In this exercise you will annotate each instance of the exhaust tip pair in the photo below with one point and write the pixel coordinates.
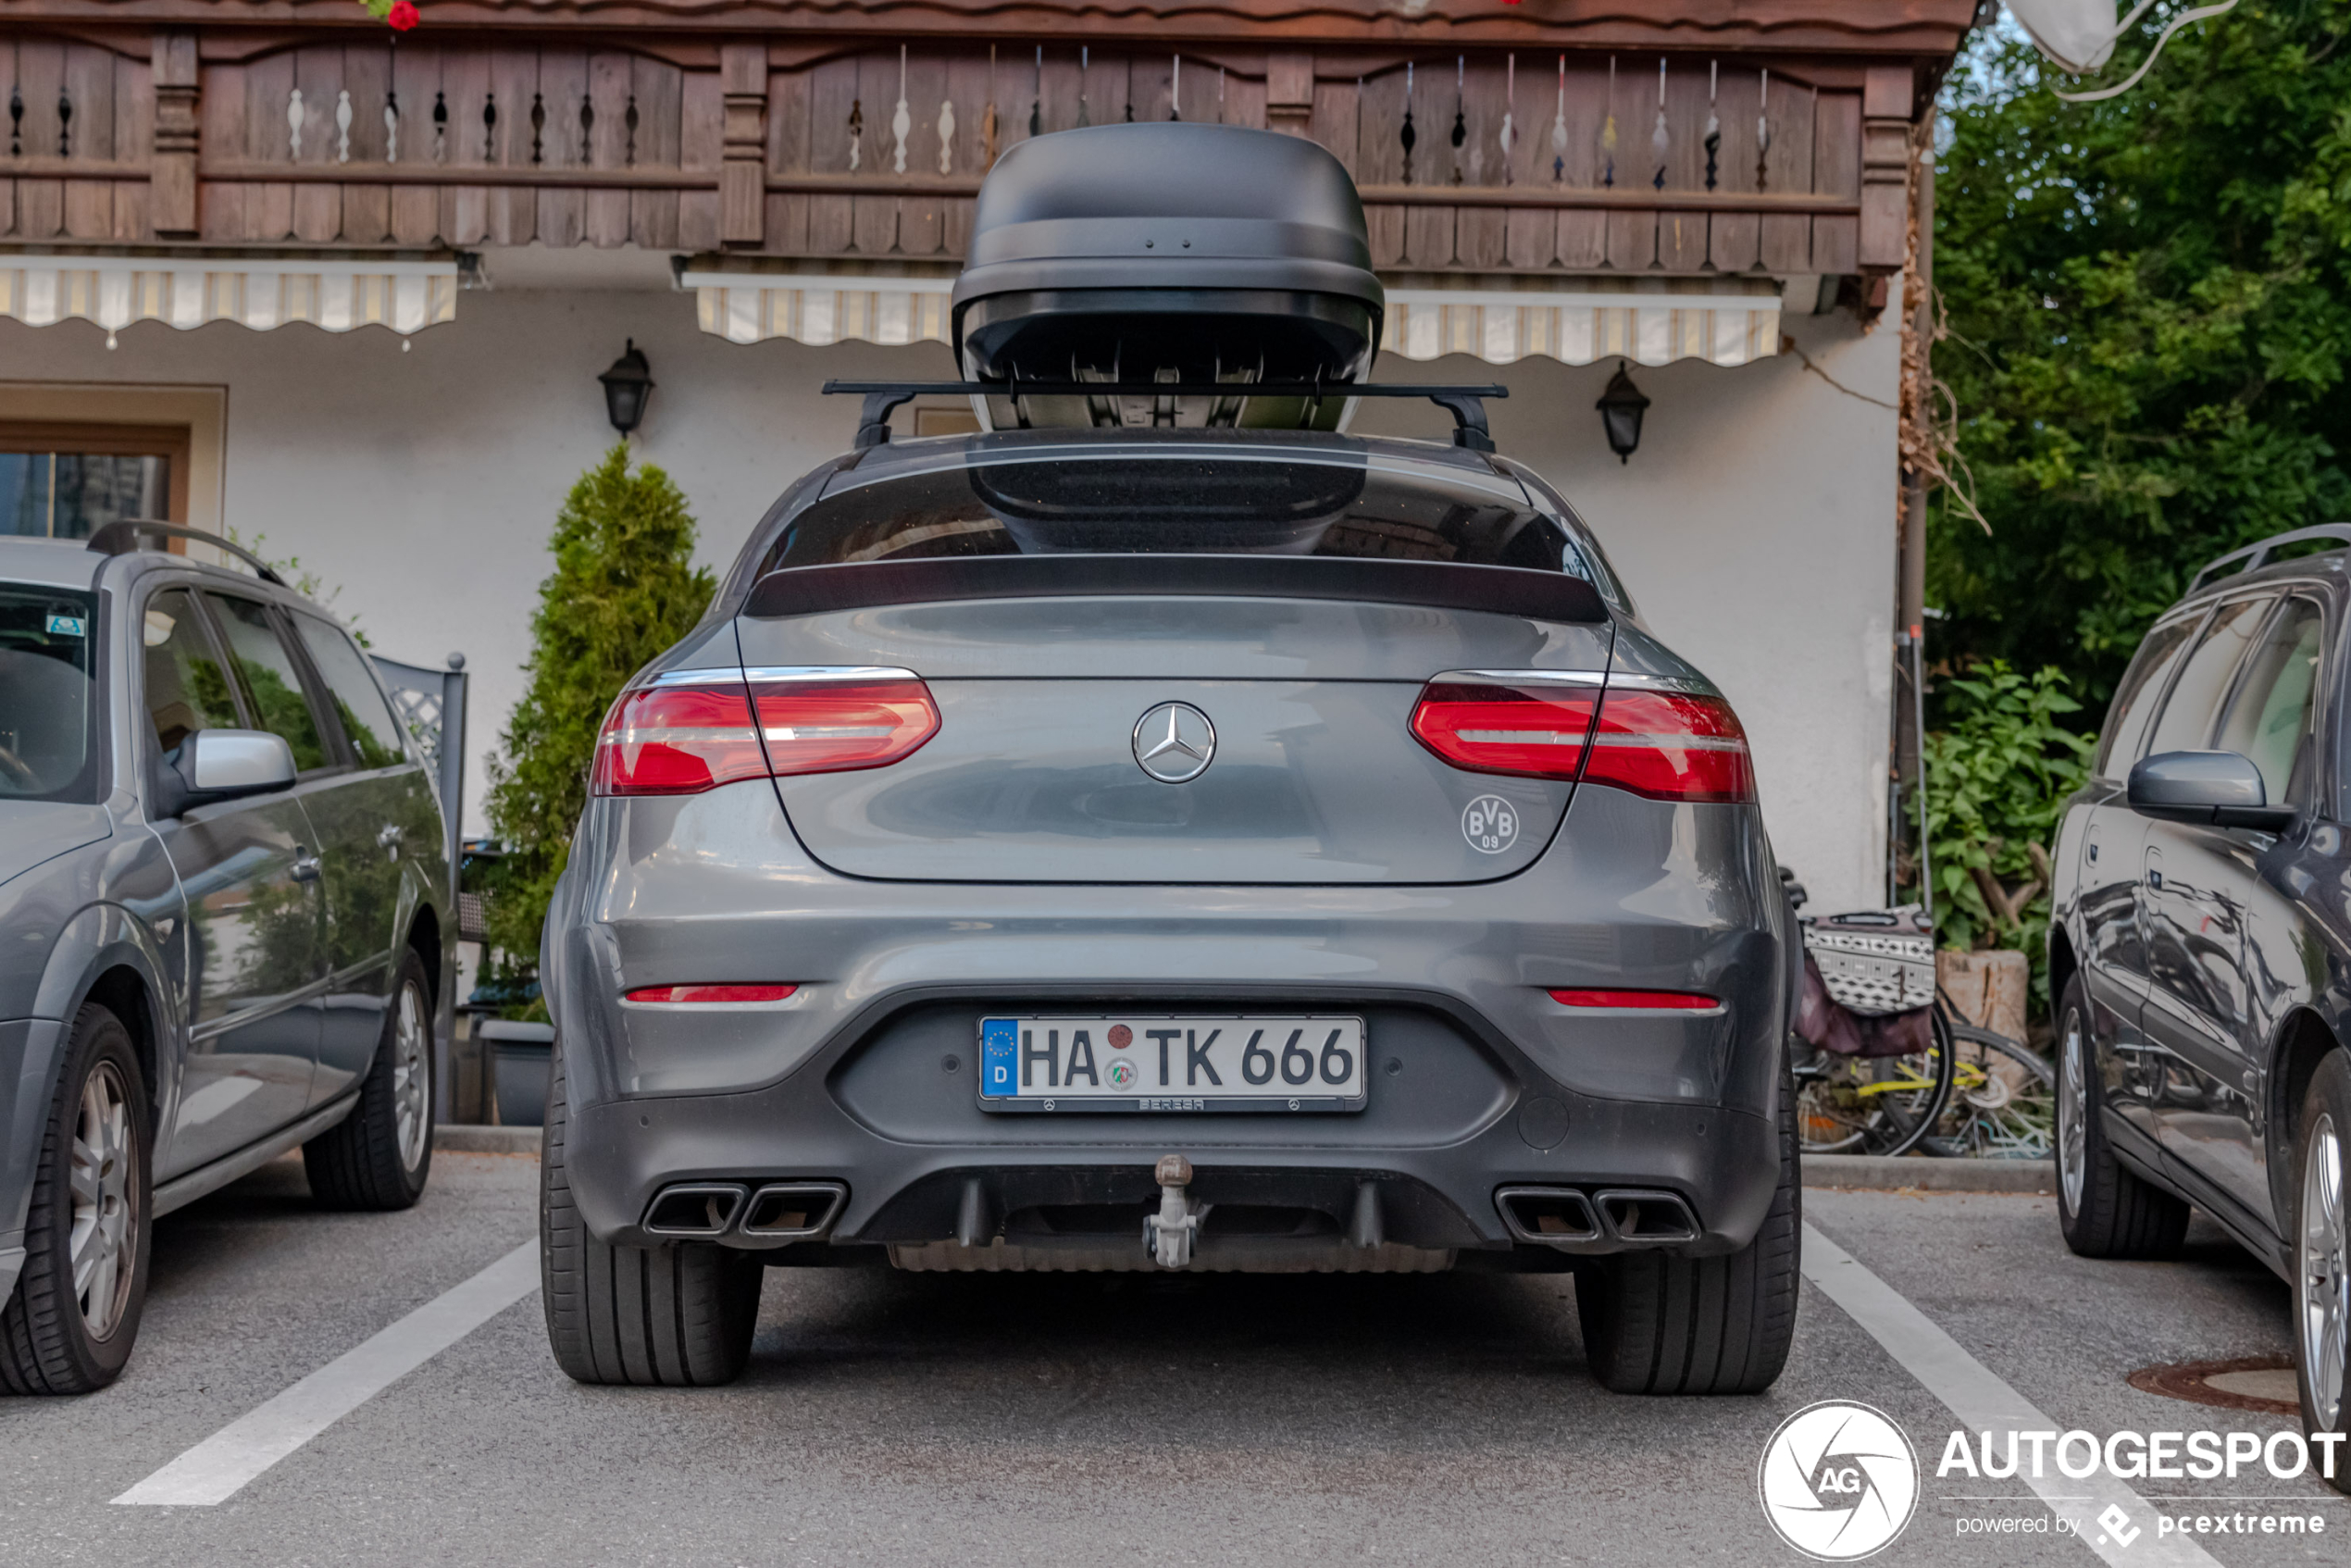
(770, 1211)
(1568, 1219)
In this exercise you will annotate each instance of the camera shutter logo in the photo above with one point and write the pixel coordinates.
(1838, 1481)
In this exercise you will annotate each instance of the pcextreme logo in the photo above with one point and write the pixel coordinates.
(1838, 1481)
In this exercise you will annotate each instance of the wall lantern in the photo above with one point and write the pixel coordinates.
(629, 386)
(1620, 408)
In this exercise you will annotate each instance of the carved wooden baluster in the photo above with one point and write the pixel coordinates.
(947, 136)
(392, 126)
(587, 131)
(65, 125)
(1461, 123)
(1714, 120)
(16, 122)
(343, 127)
(490, 128)
(1762, 132)
(538, 127)
(1608, 131)
(629, 122)
(1558, 130)
(990, 132)
(1408, 134)
(1661, 138)
(1510, 114)
(1085, 64)
(441, 127)
(856, 133)
(901, 121)
(295, 115)
(1037, 99)
(1174, 86)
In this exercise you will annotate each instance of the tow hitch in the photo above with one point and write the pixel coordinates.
(1168, 1235)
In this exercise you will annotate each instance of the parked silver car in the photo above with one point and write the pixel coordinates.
(222, 924)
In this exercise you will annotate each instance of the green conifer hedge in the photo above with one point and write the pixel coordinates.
(624, 589)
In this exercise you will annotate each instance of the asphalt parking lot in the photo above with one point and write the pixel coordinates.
(892, 1418)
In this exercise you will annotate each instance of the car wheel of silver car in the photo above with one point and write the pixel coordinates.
(675, 1316)
(2105, 1209)
(378, 1156)
(2323, 1257)
(1655, 1323)
(69, 1326)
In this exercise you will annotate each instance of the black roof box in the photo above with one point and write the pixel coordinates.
(1167, 251)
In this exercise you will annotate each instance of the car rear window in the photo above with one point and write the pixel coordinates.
(49, 696)
(1125, 503)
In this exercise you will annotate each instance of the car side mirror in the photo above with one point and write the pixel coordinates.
(225, 765)
(2221, 789)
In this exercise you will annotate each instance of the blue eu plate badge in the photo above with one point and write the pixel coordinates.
(998, 1055)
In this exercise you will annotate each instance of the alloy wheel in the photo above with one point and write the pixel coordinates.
(411, 1078)
(2073, 1113)
(2322, 1283)
(102, 1245)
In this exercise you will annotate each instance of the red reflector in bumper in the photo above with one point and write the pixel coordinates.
(711, 993)
(1682, 1001)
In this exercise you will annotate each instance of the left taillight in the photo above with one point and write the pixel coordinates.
(1537, 730)
(683, 738)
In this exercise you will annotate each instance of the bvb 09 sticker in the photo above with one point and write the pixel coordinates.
(1491, 824)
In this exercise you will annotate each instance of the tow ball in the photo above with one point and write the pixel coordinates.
(1169, 1234)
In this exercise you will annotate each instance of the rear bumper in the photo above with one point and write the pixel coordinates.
(866, 1077)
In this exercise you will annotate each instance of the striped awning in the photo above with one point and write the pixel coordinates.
(1724, 322)
(189, 290)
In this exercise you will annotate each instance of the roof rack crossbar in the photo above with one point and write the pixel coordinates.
(1465, 404)
(2253, 557)
(122, 538)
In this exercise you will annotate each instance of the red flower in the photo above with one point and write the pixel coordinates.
(403, 15)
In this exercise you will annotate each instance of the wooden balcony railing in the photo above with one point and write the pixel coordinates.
(1521, 160)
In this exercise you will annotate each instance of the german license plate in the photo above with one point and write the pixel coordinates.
(1150, 1063)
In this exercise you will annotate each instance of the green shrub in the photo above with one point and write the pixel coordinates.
(624, 589)
(1998, 773)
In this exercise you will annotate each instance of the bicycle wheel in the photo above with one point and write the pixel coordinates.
(1873, 1104)
(1993, 1114)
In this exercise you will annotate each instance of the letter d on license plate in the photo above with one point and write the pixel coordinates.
(1158, 1062)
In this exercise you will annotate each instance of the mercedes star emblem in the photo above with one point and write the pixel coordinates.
(1174, 742)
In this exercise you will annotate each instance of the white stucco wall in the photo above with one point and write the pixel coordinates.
(1755, 526)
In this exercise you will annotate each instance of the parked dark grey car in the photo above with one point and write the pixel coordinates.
(2200, 946)
(1165, 832)
(222, 924)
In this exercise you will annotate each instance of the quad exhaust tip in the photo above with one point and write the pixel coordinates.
(776, 1211)
(1562, 1216)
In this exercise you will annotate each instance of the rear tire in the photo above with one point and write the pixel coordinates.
(2106, 1210)
(379, 1156)
(676, 1317)
(2322, 1236)
(69, 1326)
(1655, 1323)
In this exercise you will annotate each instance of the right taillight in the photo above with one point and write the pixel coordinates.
(1669, 746)
(682, 739)
(1534, 730)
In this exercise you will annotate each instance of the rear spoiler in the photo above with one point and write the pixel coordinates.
(1501, 591)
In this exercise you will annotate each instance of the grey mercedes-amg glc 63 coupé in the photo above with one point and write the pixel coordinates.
(1164, 831)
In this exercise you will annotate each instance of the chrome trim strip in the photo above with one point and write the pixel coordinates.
(1636, 681)
(829, 672)
(1526, 676)
(698, 676)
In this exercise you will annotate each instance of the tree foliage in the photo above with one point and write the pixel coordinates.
(2149, 319)
(624, 589)
(1997, 776)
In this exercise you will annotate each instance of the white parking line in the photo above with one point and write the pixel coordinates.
(1983, 1403)
(214, 1469)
